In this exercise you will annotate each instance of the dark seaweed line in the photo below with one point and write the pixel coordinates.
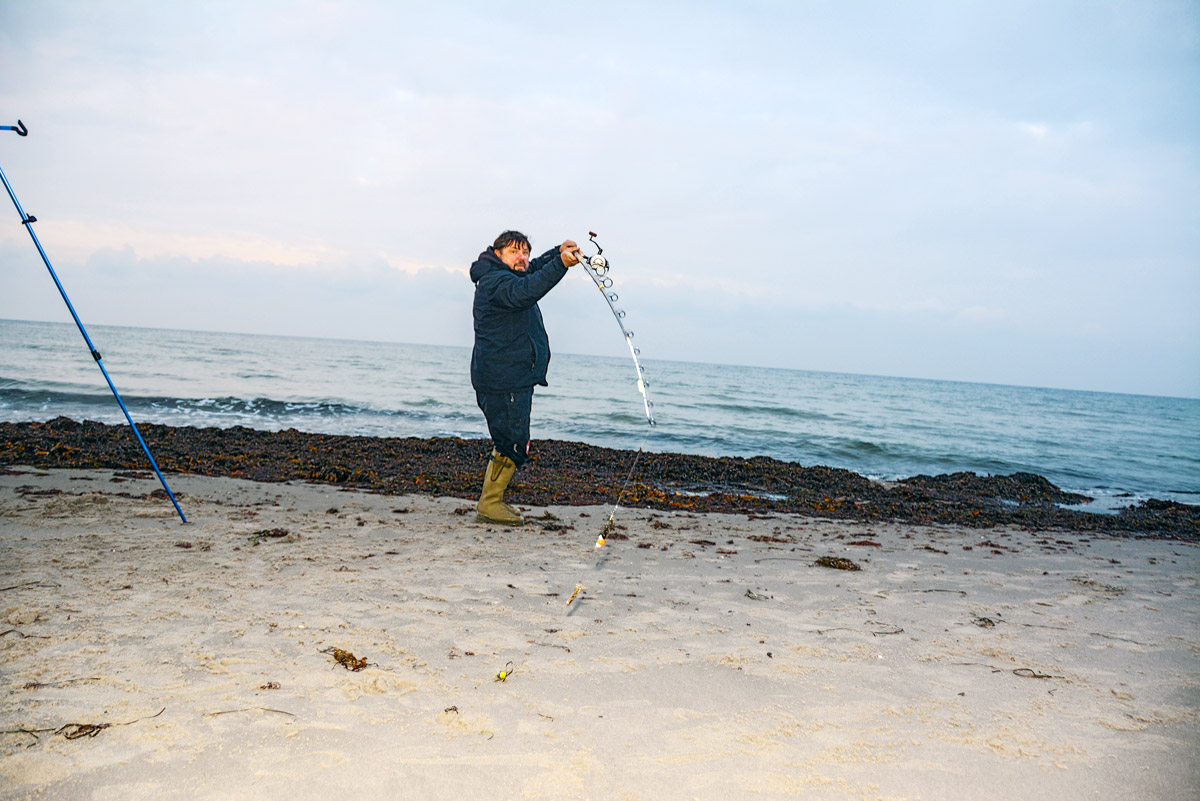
(572, 474)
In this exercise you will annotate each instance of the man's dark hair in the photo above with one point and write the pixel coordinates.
(511, 238)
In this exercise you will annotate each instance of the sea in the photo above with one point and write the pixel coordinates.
(1118, 449)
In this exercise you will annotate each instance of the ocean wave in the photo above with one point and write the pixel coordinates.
(785, 412)
(27, 404)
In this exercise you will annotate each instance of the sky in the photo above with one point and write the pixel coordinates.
(999, 192)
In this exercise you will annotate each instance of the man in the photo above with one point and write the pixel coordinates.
(512, 352)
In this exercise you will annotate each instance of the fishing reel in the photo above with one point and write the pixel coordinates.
(598, 266)
(597, 262)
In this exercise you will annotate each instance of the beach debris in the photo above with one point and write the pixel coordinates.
(775, 537)
(23, 635)
(267, 534)
(504, 674)
(346, 659)
(1120, 639)
(450, 709)
(1098, 586)
(76, 731)
(550, 522)
(574, 595)
(270, 685)
(73, 731)
(1025, 673)
(46, 584)
(836, 563)
(249, 709)
(37, 685)
(983, 622)
(1030, 673)
(867, 543)
(27, 490)
(755, 596)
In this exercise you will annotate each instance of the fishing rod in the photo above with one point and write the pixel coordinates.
(28, 220)
(597, 267)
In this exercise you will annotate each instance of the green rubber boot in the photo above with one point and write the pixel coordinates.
(492, 508)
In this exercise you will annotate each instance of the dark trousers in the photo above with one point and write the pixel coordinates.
(507, 416)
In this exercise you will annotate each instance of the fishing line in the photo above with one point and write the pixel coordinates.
(597, 269)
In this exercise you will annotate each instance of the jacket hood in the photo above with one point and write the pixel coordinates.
(486, 263)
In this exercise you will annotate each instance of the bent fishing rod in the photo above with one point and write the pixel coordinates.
(28, 220)
(597, 267)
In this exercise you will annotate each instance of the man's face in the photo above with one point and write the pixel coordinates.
(515, 256)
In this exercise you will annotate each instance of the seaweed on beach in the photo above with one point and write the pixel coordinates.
(576, 474)
(76, 731)
(836, 563)
(346, 659)
(268, 534)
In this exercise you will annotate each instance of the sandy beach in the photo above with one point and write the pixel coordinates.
(707, 655)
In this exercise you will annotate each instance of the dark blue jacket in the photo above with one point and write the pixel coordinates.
(512, 350)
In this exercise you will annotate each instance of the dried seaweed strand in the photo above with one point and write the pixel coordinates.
(37, 685)
(30, 584)
(1030, 673)
(75, 731)
(23, 635)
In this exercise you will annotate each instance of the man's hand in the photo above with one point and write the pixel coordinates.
(569, 252)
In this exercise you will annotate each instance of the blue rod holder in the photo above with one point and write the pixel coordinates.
(28, 221)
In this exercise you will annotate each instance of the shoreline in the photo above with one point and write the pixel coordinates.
(708, 655)
(575, 474)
